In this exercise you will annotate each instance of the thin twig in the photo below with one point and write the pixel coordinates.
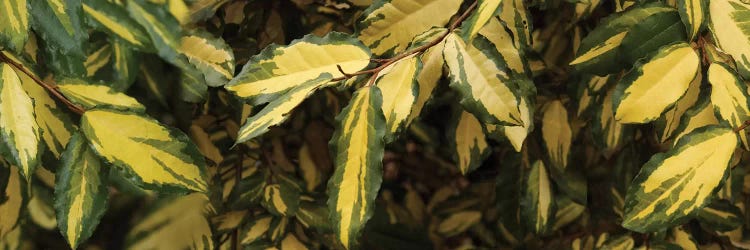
(744, 125)
(51, 89)
(389, 61)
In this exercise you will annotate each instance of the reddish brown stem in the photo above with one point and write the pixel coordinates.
(51, 89)
(742, 127)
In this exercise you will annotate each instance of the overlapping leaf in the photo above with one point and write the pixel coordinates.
(432, 70)
(60, 25)
(670, 120)
(11, 207)
(730, 97)
(486, 10)
(468, 141)
(156, 156)
(182, 220)
(538, 202)
(211, 56)
(91, 96)
(731, 31)
(388, 26)
(358, 148)
(399, 85)
(19, 132)
(693, 15)
(14, 24)
(114, 19)
(557, 134)
(672, 186)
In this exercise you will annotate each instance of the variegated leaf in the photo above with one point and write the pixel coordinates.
(162, 28)
(279, 109)
(20, 135)
(230, 220)
(14, 24)
(109, 17)
(91, 96)
(622, 242)
(60, 24)
(358, 148)
(14, 199)
(486, 10)
(645, 92)
(281, 199)
(608, 132)
(516, 15)
(309, 170)
(538, 201)
(80, 191)
(567, 212)
(255, 230)
(125, 63)
(388, 26)
(650, 34)
(182, 220)
(156, 156)
(277, 70)
(731, 31)
(515, 134)
(399, 85)
(693, 15)
(672, 186)
(203, 9)
(721, 216)
(468, 141)
(211, 56)
(729, 97)
(459, 222)
(432, 70)
(485, 90)
(511, 57)
(700, 115)
(557, 134)
(669, 121)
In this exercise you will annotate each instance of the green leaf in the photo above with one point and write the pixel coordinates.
(731, 31)
(156, 156)
(250, 190)
(458, 222)
(91, 96)
(281, 199)
(14, 24)
(358, 148)
(124, 65)
(399, 85)
(721, 216)
(567, 212)
(693, 15)
(80, 192)
(255, 230)
(485, 90)
(557, 134)
(388, 26)
(192, 86)
(279, 109)
(645, 92)
(60, 24)
(486, 10)
(312, 215)
(277, 70)
(11, 206)
(20, 135)
(672, 186)
(468, 141)
(700, 115)
(730, 97)
(109, 17)
(650, 34)
(211, 56)
(182, 220)
(538, 201)
(162, 28)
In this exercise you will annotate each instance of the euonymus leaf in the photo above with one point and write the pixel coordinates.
(651, 33)
(281, 199)
(162, 28)
(429, 75)
(468, 140)
(14, 192)
(486, 10)
(609, 133)
(693, 15)
(517, 17)
(651, 87)
(60, 25)
(398, 83)
(90, 96)
(485, 90)
(538, 201)
(682, 238)
(511, 56)
(279, 109)
(721, 216)
(515, 134)
(14, 24)
(672, 186)
(125, 63)
(109, 17)
(211, 56)
(459, 222)
(731, 31)
(277, 69)
(182, 220)
(729, 97)
(670, 120)
(621, 242)
(255, 229)
(388, 26)
(230, 220)
(557, 134)
(701, 114)
(357, 146)
(156, 156)
(20, 135)
(80, 192)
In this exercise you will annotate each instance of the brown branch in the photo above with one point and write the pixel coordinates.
(389, 61)
(51, 89)
(742, 127)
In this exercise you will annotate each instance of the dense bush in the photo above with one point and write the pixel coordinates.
(385, 124)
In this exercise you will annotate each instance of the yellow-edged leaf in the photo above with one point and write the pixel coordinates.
(603, 51)
(483, 87)
(229, 220)
(515, 14)
(91, 96)
(459, 222)
(702, 114)
(277, 70)
(469, 142)
(111, 18)
(729, 97)
(495, 32)
(10, 208)
(358, 148)
(682, 238)
(693, 14)
(428, 77)
(97, 60)
(179, 223)
(673, 185)
(557, 133)
(486, 9)
(399, 85)
(20, 135)
(731, 31)
(155, 155)
(80, 192)
(645, 92)
(515, 134)
(309, 170)
(538, 205)
(670, 120)
(281, 199)
(14, 24)
(256, 229)
(212, 56)
(388, 26)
